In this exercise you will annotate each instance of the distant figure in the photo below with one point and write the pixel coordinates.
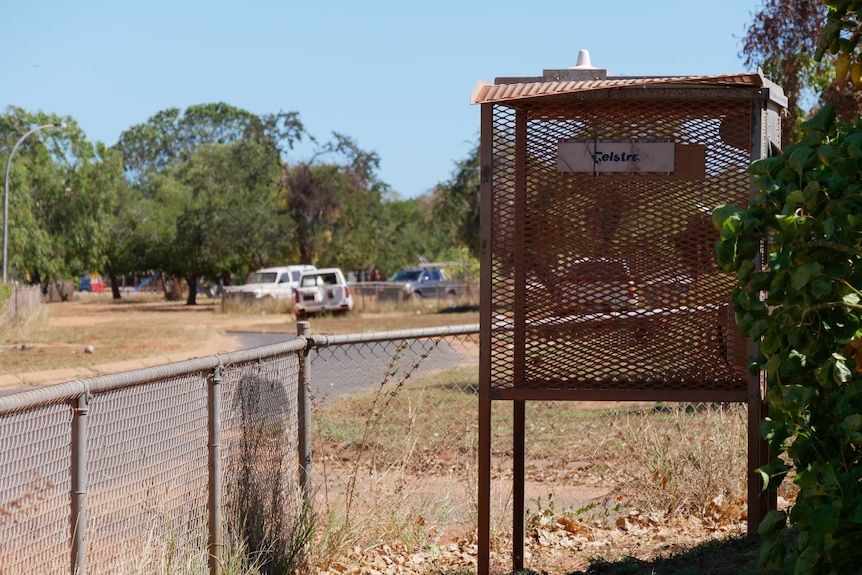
(375, 275)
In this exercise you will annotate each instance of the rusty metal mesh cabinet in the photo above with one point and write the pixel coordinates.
(599, 279)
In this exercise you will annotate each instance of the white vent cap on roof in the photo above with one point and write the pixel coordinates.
(584, 61)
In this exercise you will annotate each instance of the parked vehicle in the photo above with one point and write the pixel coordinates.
(594, 285)
(665, 291)
(323, 290)
(603, 285)
(277, 282)
(426, 282)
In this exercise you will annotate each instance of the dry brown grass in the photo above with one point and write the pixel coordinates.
(612, 480)
(668, 464)
(58, 336)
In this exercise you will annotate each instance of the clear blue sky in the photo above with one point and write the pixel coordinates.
(395, 76)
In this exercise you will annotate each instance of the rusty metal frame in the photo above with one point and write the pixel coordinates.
(765, 105)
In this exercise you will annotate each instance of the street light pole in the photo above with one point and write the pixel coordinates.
(59, 126)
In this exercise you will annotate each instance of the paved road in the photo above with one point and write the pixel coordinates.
(348, 369)
(251, 339)
(338, 370)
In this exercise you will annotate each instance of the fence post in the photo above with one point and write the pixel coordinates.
(214, 547)
(78, 513)
(303, 329)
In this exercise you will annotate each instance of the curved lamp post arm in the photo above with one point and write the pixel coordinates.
(59, 126)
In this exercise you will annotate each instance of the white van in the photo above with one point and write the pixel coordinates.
(322, 290)
(277, 282)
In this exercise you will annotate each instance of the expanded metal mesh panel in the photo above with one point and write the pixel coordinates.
(608, 281)
(34, 490)
(147, 473)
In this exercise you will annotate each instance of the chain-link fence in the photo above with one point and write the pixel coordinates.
(394, 435)
(376, 296)
(150, 471)
(395, 439)
(22, 301)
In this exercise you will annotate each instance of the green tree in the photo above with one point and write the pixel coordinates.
(333, 204)
(62, 193)
(456, 202)
(135, 233)
(215, 168)
(222, 200)
(172, 136)
(411, 235)
(355, 242)
(786, 40)
(78, 216)
(312, 201)
(782, 40)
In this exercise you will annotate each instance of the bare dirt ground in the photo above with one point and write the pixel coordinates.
(95, 335)
(147, 331)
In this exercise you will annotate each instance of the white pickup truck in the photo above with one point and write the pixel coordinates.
(277, 282)
(321, 291)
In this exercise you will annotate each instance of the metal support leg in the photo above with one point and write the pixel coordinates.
(518, 479)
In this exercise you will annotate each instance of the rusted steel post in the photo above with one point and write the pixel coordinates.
(484, 455)
(766, 132)
(519, 417)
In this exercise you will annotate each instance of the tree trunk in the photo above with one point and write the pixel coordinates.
(115, 285)
(192, 280)
(44, 284)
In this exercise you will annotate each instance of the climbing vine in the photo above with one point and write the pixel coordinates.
(797, 253)
(804, 306)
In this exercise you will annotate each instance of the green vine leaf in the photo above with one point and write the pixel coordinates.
(805, 273)
(853, 144)
(804, 308)
(802, 159)
(822, 120)
(829, 155)
(821, 287)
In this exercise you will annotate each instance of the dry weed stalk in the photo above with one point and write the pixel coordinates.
(393, 506)
(380, 404)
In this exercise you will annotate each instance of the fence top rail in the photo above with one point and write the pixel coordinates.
(71, 389)
(318, 341)
(68, 390)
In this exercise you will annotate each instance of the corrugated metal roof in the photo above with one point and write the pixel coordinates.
(485, 93)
